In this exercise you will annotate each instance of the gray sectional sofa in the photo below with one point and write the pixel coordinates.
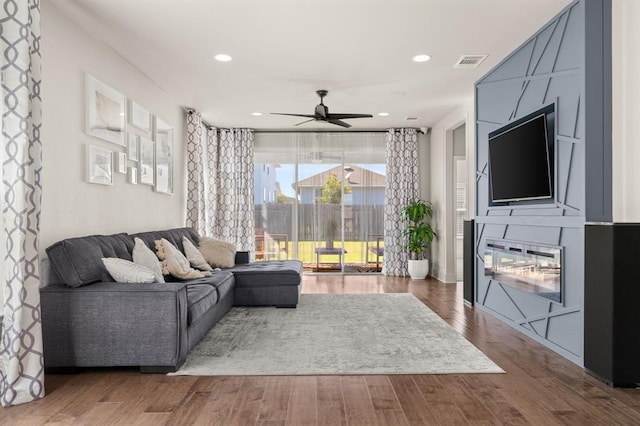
(90, 321)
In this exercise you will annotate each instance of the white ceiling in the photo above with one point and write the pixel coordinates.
(285, 50)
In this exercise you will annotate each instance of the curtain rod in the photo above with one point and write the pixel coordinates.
(192, 110)
(320, 131)
(423, 130)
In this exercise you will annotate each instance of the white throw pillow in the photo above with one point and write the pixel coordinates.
(143, 255)
(194, 256)
(174, 262)
(124, 271)
(217, 253)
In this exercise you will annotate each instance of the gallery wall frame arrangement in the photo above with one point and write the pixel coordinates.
(99, 165)
(105, 111)
(146, 139)
(163, 135)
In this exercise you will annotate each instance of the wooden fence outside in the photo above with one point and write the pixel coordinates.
(316, 220)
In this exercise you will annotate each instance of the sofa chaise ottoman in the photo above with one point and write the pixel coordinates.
(89, 320)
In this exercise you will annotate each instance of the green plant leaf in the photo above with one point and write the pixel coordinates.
(418, 232)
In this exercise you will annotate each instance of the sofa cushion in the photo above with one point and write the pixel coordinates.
(217, 253)
(124, 271)
(174, 236)
(225, 287)
(77, 261)
(268, 274)
(194, 256)
(222, 281)
(200, 298)
(143, 255)
(175, 263)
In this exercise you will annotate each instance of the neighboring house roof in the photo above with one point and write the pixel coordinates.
(354, 176)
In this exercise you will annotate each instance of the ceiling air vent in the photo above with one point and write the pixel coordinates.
(470, 61)
(411, 118)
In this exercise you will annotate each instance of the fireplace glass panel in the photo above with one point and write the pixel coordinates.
(532, 268)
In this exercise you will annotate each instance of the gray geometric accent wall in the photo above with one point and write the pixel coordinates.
(549, 68)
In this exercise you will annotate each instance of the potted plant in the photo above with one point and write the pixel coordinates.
(419, 234)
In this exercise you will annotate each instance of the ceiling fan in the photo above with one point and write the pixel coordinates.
(322, 114)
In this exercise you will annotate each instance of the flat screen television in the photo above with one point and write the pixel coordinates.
(520, 164)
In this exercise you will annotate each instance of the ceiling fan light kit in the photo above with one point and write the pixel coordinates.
(322, 114)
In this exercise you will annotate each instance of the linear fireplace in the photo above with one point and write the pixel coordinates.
(527, 267)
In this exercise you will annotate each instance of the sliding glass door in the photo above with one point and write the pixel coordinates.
(320, 198)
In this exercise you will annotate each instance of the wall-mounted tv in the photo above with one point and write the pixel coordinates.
(521, 160)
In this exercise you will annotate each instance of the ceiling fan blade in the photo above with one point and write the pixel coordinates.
(322, 114)
(305, 121)
(295, 115)
(339, 116)
(339, 123)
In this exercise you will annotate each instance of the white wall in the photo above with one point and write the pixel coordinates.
(70, 206)
(626, 110)
(442, 196)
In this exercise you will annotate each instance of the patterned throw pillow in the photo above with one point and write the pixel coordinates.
(142, 255)
(217, 253)
(194, 256)
(124, 271)
(174, 262)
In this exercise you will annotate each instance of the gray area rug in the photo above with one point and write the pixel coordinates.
(336, 334)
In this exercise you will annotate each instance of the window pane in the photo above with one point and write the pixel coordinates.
(320, 199)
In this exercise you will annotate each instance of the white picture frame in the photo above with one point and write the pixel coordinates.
(99, 165)
(132, 175)
(163, 136)
(133, 141)
(146, 162)
(105, 111)
(121, 164)
(140, 117)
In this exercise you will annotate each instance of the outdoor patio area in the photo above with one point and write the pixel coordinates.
(357, 256)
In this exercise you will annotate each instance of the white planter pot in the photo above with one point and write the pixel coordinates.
(418, 269)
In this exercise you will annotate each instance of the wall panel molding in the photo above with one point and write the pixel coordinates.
(565, 63)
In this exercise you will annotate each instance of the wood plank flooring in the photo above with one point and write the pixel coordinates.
(539, 387)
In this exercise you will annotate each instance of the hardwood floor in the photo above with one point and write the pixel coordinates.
(539, 387)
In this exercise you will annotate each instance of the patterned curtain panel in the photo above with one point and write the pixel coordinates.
(234, 219)
(402, 188)
(220, 182)
(21, 360)
(198, 215)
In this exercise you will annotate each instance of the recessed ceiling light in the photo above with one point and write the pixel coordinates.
(383, 114)
(221, 57)
(421, 58)
(256, 114)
